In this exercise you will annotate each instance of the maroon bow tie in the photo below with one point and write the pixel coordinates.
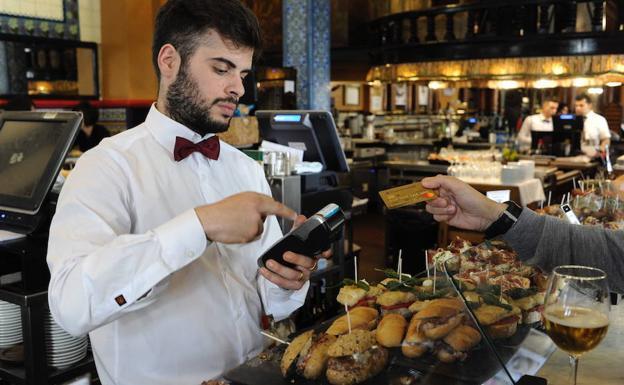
(209, 148)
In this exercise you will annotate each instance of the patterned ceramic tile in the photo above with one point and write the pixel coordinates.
(307, 48)
(43, 18)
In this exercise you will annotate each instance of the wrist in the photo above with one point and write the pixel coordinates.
(494, 212)
(202, 214)
(508, 217)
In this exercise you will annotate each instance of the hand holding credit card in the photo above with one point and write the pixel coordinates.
(407, 195)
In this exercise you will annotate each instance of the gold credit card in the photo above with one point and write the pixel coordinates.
(407, 195)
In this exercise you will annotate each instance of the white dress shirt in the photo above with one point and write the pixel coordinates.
(131, 266)
(537, 122)
(595, 130)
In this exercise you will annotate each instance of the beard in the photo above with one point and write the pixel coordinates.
(186, 106)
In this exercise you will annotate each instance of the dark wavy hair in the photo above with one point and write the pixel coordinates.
(181, 23)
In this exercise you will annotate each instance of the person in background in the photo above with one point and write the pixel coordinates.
(563, 109)
(538, 122)
(91, 133)
(19, 103)
(596, 134)
(540, 240)
(154, 244)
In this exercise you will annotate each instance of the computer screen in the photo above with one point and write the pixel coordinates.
(567, 122)
(558, 143)
(25, 150)
(33, 146)
(312, 131)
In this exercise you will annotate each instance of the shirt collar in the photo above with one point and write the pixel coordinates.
(165, 130)
(544, 119)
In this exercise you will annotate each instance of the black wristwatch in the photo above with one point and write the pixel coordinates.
(505, 221)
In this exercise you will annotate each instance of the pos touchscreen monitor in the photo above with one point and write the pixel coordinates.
(33, 147)
(312, 131)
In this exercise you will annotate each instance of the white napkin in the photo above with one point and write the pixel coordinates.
(278, 302)
(312, 167)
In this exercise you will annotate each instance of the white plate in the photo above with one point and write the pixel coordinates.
(76, 355)
(62, 339)
(7, 333)
(66, 355)
(12, 326)
(60, 344)
(10, 318)
(8, 340)
(10, 334)
(65, 347)
(8, 344)
(57, 331)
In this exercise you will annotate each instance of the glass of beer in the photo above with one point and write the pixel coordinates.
(576, 310)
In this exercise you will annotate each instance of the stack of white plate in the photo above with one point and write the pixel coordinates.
(62, 348)
(10, 325)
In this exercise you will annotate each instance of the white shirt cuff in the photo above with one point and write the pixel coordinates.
(278, 302)
(182, 239)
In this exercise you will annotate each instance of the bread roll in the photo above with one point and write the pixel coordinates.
(457, 343)
(500, 331)
(390, 298)
(391, 330)
(435, 310)
(418, 306)
(488, 314)
(361, 318)
(463, 338)
(436, 331)
(315, 362)
(415, 343)
(350, 371)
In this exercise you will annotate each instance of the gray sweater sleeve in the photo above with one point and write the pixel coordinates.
(549, 242)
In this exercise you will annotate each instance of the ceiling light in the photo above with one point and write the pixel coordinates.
(580, 82)
(436, 85)
(545, 83)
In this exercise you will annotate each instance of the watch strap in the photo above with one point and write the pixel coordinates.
(507, 219)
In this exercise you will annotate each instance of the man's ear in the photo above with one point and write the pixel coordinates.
(168, 63)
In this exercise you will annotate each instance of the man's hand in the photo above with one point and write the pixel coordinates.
(292, 279)
(461, 205)
(240, 218)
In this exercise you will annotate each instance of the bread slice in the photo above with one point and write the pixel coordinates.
(361, 318)
(350, 295)
(315, 362)
(358, 341)
(293, 350)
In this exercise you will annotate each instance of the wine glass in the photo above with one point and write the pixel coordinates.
(576, 310)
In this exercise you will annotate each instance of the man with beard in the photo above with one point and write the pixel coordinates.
(153, 247)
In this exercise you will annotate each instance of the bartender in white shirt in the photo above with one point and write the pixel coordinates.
(596, 134)
(538, 122)
(154, 244)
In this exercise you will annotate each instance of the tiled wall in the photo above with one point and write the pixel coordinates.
(66, 19)
(60, 28)
(41, 9)
(90, 20)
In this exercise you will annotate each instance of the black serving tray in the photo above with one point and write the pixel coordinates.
(480, 366)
